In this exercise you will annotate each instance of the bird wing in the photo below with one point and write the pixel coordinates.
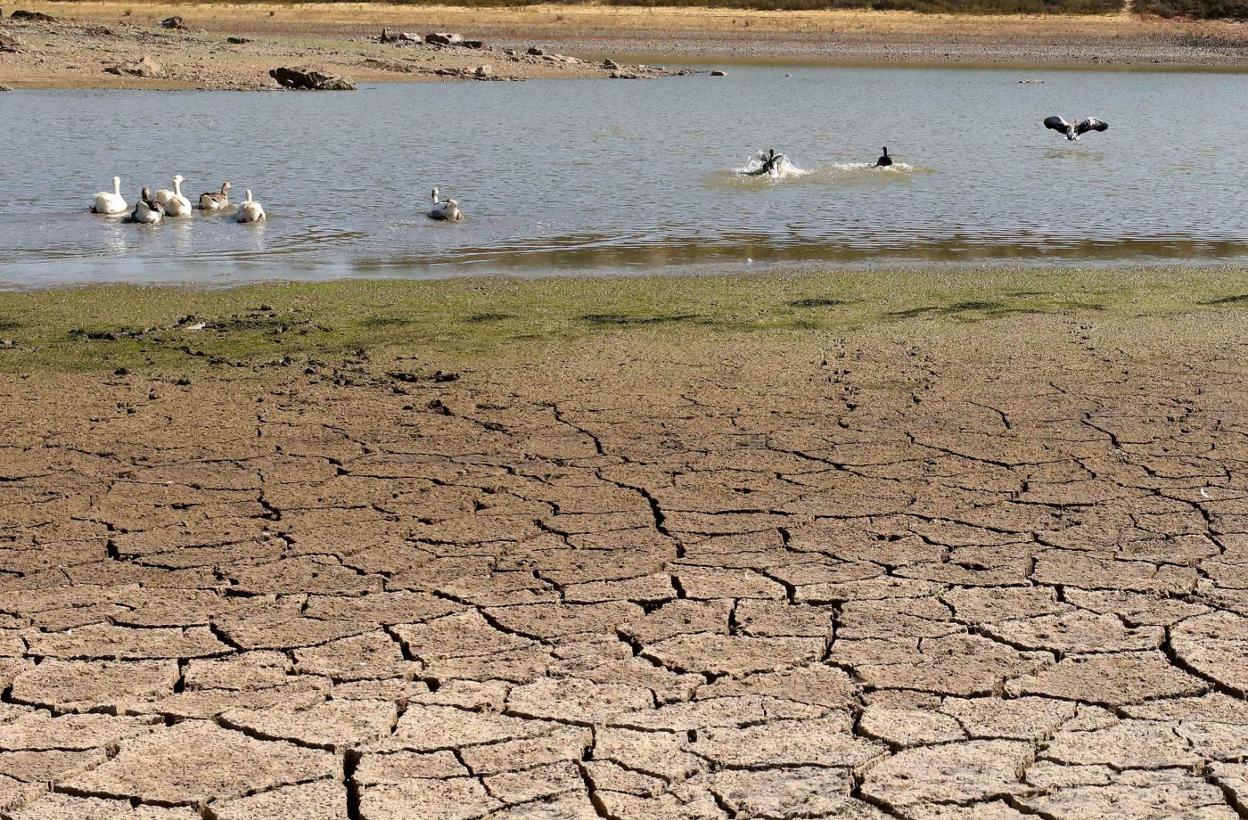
(1091, 124)
(1056, 123)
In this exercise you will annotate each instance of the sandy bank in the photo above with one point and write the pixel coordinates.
(337, 36)
(235, 47)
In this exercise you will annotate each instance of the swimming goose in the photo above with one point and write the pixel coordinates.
(106, 203)
(448, 210)
(249, 210)
(884, 161)
(147, 211)
(771, 163)
(175, 204)
(215, 201)
(1073, 130)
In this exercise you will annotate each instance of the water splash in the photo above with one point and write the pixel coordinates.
(841, 169)
(784, 169)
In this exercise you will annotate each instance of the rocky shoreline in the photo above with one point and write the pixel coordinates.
(219, 46)
(39, 50)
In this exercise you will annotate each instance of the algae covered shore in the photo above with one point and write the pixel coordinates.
(508, 319)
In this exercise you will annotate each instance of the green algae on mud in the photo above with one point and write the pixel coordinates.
(465, 320)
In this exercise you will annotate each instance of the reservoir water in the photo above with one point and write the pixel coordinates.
(605, 177)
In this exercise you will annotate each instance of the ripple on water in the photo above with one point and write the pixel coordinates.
(589, 177)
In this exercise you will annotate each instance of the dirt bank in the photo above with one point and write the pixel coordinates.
(985, 555)
(339, 36)
(89, 45)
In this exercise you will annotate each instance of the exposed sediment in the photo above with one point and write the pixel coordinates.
(919, 573)
(92, 46)
(229, 46)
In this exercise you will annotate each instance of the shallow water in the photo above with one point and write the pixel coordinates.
(582, 176)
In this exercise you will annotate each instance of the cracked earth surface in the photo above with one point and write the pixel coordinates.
(985, 572)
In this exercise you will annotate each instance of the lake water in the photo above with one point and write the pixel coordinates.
(590, 176)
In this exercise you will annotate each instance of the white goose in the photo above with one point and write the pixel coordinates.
(249, 210)
(175, 204)
(448, 210)
(147, 211)
(106, 203)
(215, 201)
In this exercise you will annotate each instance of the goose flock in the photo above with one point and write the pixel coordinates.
(151, 210)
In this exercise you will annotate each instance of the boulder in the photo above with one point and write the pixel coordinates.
(442, 38)
(483, 72)
(8, 43)
(718, 73)
(5, 88)
(144, 67)
(478, 44)
(174, 22)
(399, 37)
(32, 16)
(610, 65)
(237, 41)
(310, 79)
(535, 51)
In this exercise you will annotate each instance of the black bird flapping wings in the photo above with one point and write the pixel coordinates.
(1091, 124)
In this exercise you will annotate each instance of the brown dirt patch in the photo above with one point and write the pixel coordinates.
(923, 570)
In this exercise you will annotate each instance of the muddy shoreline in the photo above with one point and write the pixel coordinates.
(234, 47)
(876, 560)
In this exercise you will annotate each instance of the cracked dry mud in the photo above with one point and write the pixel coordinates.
(919, 573)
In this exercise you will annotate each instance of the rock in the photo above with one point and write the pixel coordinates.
(174, 22)
(718, 73)
(477, 44)
(535, 51)
(144, 67)
(610, 64)
(311, 79)
(237, 41)
(8, 43)
(10, 342)
(32, 16)
(624, 75)
(439, 38)
(483, 72)
(399, 37)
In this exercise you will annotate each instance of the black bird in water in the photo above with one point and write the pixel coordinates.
(1074, 130)
(884, 161)
(771, 162)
